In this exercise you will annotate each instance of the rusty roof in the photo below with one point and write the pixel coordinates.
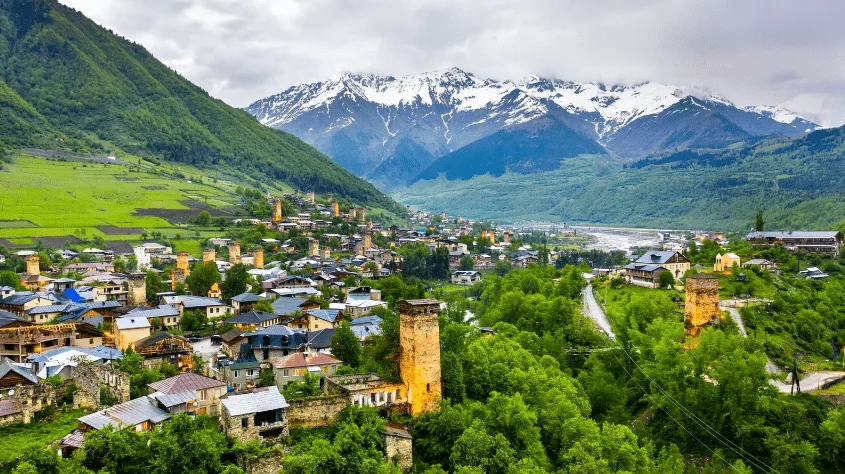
(184, 382)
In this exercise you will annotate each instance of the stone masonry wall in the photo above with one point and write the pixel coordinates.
(316, 412)
(419, 356)
(88, 379)
(399, 449)
(702, 302)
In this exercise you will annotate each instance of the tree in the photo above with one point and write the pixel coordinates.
(203, 276)
(345, 346)
(466, 263)
(759, 224)
(153, 282)
(263, 305)
(309, 387)
(266, 377)
(666, 279)
(10, 278)
(235, 283)
(203, 218)
(193, 320)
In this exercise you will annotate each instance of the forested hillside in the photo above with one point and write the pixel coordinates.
(68, 83)
(797, 182)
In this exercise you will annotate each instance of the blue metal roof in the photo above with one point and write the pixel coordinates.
(73, 295)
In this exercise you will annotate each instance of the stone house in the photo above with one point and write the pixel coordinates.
(212, 307)
(140, 414)
(19, 303)
(254, 319)
(244, 302)
(189, 393)
(398, 445)
(260, 414)
(465, 277)
(360, 308)
(12, 376)
(645, 270)
(165, 347)
(272, 342)
(366, 390)
(241, 375)
(231, 342)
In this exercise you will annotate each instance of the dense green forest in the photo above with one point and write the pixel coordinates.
(67, 83)
(798, 182)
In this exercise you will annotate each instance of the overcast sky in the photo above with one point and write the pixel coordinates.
(752, 52)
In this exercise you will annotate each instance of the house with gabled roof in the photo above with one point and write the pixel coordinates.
(212, 307)
(316, 319)
(139, 414)
(272, 342)
(254, 319)
(288, 306)
(188, 393)
(243, 302)
(20, 302)
(260, 414)
(646, 270)
(293, 367)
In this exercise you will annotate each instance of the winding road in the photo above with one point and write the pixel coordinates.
(594, 311)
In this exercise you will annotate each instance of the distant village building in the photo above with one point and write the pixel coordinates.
(725, 262)
(259, 415)
(465, 277)
(828, 242)
(646, 270)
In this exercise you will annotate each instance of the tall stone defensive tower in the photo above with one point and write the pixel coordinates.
(336, 209)
(257, 257)
(419, 353)
(182, 259)
(313, 247)
(234, 252)
(362, 214)
(702, 302)
(177, 276)
(277, 211)
(33, 265)
(136, 285)
(310, 197)
(209, 255)
(353, 213)
(368, 240)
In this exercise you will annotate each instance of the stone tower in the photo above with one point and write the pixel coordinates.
(182, 259)
(177, 276)
(313, 247)
(277, 211)
(329, 198)
(506, 236)
(370, 224)
(368, 240)
(353, 213)
(484, 235)
(310, 197)
(702, 302)
(209, 255)
(362, 214)
(257, 257)
(335, 209)
(419, 353)
(33, 265)
(136, 284)
(234, 252)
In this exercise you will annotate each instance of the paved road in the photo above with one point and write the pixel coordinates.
(205, 348)
(811, 381)
(736, 317)
(594, 311)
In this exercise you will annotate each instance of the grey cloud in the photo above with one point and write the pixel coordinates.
(777, 52)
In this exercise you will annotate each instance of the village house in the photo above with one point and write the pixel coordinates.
(212, 307)
(259, 414)
(293, 367)
(272, 342)
(366, 390)
(316, 319)
(826, 242)
(164, 316)
(398, 445)
(231, 342)
(188, 393)
(365, 327)
(140, 414)
(760, 263)
(61, 360)
(19, 340)
(241, 375)
(20, 302)
(725, 262)
(12, 375)
(320, 341)
(288, 306)
(129, 330)
(465, 277)
(254, 319)
(165, 347)
(359, 308)
(645, 271)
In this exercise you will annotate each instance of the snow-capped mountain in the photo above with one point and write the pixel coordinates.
(390, 129)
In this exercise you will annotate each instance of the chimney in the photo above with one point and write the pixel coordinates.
(234, 252)
(32, 265)
(209, 255)
(137, 287)
(277, 211)
(258, 257)
(182, 261)
(336, 209)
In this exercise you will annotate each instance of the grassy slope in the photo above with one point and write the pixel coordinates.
(15, 439)
(100, 92)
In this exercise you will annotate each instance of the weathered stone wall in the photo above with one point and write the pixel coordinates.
(137, 287)
(399, 450)
(33, 398)
(234, 427)
(419, 354)
(316, 412)
(88, 379)
(234, 252)
(271, 464)
(702, 302)
(15, 418)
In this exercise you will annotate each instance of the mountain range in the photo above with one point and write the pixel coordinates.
(395, 131)
(68, 84)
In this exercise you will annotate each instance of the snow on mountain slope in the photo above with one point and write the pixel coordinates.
(371, 123)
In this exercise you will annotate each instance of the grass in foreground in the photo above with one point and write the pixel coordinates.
(15, 439)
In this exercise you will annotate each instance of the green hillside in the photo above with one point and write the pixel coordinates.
(70, 84)
(798, 183)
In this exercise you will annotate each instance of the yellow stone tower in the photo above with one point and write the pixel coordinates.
(419, 353)
(277, 211)
(702, 302)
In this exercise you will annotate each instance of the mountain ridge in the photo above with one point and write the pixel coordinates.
(443, 111)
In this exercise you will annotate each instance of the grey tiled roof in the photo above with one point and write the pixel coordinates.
(261, 399)
(128, 413)
(184, 382)
(171, 400)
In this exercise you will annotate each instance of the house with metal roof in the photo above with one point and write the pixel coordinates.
(825, 242)
(165, 347)
(140, 414)
(244, 302)
(320, 340)
(293, 367)
(288, 306)
(365, 327)
(22, 301)
(213, 307)
(254, 319)
(316, 319)
(646, 269)
(129, 329)
(12, 375)
(241, 375)
(358, 308)
(272, 342)
(188, 393)
(61, 359)
(260, 414)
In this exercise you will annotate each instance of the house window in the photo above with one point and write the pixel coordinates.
(236, 374)
(428, 387)
(325, 369)
(202, 395)
(244, 422)
(285, 373)
(249, 372)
